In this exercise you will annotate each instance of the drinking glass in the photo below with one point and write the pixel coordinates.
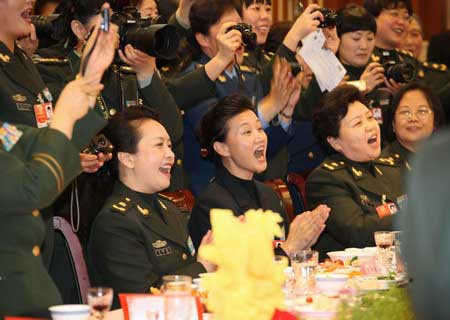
(304, 264)
(178, 299)
(100, 300)
(384, 241)
(399, 265)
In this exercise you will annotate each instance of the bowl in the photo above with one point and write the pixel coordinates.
(70, 312)
(347, 255)
(330, 283)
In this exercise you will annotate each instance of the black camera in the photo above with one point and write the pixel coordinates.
(248, 36)
(99, 143)
(148, 35)
(330, 18)
(401, 72)
(296, 68)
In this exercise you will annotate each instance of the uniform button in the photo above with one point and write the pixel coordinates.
(311, 155)
(36, 251)
(36, 213)
(179, 162)
(112, 112)
(184, 256)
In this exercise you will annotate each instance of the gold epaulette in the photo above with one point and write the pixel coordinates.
(333, 165)
(405, 52)
(122, 206)
(435, 66)
(126, 69)
(387, 161)
(245, 68)
(51, 61)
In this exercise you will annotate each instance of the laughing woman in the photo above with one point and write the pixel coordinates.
(140, 236)
(362, 189)
(236, 142)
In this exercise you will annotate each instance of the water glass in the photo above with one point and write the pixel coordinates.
(398, 261)
(178, 299)
(304, 264)
(100, 300)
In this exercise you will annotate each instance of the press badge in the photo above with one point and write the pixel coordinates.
(387, 209)
(43, 113)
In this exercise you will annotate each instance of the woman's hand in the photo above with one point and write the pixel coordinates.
(91, 163)
(306, 229)
(143, 64)
(207, 239)
(332, 40)
(288, 111)
(373, 76)
(308, 22)
(392, 86)
(100, 49)
(30, 43)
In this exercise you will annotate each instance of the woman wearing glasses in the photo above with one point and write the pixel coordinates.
(416, 113)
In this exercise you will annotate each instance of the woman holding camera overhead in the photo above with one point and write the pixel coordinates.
(362, 187)
(36, 165)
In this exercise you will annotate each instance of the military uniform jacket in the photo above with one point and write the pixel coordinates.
(401, 154)
(138, 238)
(354, 191)
(34, 172)
(224, 192)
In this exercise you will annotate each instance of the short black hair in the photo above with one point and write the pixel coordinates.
(277, 33)
(122, 131)
(432, 99)
(354, 18)
(376, 6)
(213, 126)
(206, 13)
(327, 121)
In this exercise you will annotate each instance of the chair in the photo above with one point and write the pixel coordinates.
(182, 198)
(282, 191)
(299, 182)
(77, 263)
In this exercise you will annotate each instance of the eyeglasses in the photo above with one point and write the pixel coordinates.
(421, 114)
(397, 15)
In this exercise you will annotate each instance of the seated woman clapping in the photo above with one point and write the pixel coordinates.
(235, 141)
(362, 188)
(139, 235)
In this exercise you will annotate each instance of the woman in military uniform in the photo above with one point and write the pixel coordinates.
(362, 189)
(416, 113)
(235, 141)
(36, 165)
(140, 236)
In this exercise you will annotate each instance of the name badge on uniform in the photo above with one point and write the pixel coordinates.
(387, 209)
(378, 114)
(43, 113)
(161, 248)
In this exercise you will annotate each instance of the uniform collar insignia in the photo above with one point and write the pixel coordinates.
(222, 78)
(357, 172)
(378, 170)
(19, 98)
(143, 211)
(162, 205)
(158, 244)
(390, 161)
(5, 58)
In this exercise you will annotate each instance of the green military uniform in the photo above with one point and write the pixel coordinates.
(37, 168)
(401, 154)
(138, 238)
(21, 87)
(356, 193)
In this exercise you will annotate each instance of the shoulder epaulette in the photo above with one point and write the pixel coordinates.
(126, 69)
(333, 165)
(245, 68)
(387, 161)
(435, 66)
(50, 61)
(122, 206)
(405, 52)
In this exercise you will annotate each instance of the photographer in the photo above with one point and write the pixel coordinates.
(36, 164)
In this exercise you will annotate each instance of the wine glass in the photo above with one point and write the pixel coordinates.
(384, 241)
(100, 300)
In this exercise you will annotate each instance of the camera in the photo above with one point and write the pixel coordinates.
(99, 144)
(248, 36)
(329, 18)
(401, 72)
(296, 68)
(148, 35)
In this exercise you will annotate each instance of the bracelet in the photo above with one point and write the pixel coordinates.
(285, 115)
